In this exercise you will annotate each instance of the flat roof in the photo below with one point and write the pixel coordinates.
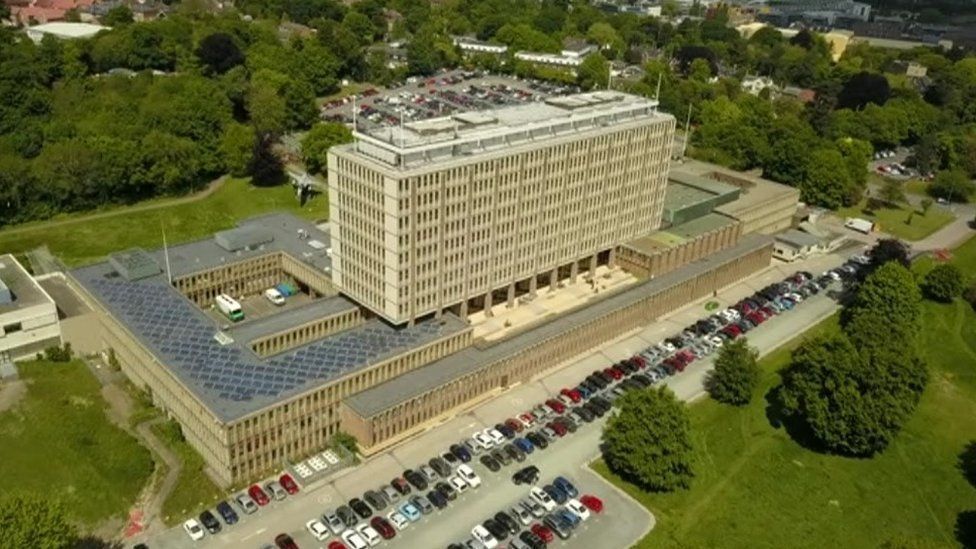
(249, 330)
(679, 234)
(229, 378)
(417, 382)
(470, 133)
(755, 190)
(26, 292)
(679, 196)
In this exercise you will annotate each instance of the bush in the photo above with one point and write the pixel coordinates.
(649, 442)
(736, 374)
(58, 354)
(943, 283)
(347, 441)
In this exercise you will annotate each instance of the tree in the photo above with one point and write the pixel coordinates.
(826, 181)
(593, 72)
(863, 88)
(804, 39)
(237, 148)
(27, 520)
(952, 185)
(887, 250)
(887, 302)
(892, 193)
(318, 141)
(266, 167)
(926, 205)
(736, 373)
(649, 441)
(118, 16)
(943, 283)
(219, 53)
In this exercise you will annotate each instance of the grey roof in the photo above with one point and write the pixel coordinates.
(798, 239)
(382, 397)
(230, 379)
(243, 238)
(249, 330)
(134, 264)
(21, 287)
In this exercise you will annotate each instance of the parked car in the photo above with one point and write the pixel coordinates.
(227, 513)
(246, 504)
(193, 529)
(210, 522)
(288, 483)
(258, 495)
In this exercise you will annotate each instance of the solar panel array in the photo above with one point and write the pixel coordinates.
(184, 337)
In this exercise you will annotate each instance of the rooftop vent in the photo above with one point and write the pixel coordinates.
(134, 264)
(243, 238)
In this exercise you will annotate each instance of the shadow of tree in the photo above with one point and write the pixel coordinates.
(966, 529)
(92, 542)
(967, 462)
(797, 430)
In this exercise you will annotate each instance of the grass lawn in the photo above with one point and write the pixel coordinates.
(895, 221)
(77, 240)
(57, 442)
(756, 487)
(194, 490)
(913, 186)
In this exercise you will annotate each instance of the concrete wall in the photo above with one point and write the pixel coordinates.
(646, 263)
(25, 331)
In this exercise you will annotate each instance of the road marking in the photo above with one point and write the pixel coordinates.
(258, 533)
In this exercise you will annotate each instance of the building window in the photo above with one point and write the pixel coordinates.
(11, 328)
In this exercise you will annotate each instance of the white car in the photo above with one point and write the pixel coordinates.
(193, 529)
(482, 534)
(716, 341)
(459, 485)
(666, 347)
(353, 540)
(369, 534)
(467, 473)
(496, 436)
(398, 520)
(318, 530)
(483, 440)
(578, 509)
(274, 296)
(542, 498)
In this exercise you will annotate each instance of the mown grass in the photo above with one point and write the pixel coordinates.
(904, 222)
(194, 490)
(58, 442)
(80, 239)
(756, 487)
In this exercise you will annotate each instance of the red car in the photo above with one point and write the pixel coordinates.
(284, 541)
(558, 428)
(527, 419)
(384, 527)
(639, 361)
(592, 503)
(614, 373)
(288, 484)
(542, 532)
(257, 494)
(514, 425)
(336, 544)
(556, 406)
(572, 394)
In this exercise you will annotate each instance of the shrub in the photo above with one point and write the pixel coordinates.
(943, 283)
(736, 374)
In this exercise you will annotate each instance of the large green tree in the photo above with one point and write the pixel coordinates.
(736, 373)
(318, 141)
(649, 441)
(30, 521)
(952, 185)
(943, 283)
(594, 72)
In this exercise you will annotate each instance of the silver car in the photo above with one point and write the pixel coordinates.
(332, 520)
(276, 491)
(246, 504)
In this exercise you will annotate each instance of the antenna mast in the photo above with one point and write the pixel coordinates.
(169, 271)
(684, 146)
(355, 111)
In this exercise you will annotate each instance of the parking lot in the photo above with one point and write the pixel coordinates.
(567, 456)
(441, 95)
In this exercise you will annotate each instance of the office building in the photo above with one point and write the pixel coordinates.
(28, 315)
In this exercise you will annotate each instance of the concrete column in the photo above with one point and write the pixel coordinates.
(613, 258)
(573, 272)
(464, 309)
(533, 285)
(511, 295)
(593, 266)
(488, 304)
(553, 278)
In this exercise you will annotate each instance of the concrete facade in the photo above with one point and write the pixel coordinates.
(442, 215)
(28, 316)
(646, 257)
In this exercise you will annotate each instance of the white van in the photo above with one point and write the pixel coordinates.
(274, 296)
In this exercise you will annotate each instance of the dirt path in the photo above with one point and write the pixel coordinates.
(207, 191)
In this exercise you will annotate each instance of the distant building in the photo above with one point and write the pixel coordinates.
(804, 95)
(471, 45)
(794, 244)
(28, 316)
(755, 84)
(146, 10)
(572, 54)
(65, 31)
(36, 12)
(575, 48)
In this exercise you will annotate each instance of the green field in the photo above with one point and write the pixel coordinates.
(904, 222)
(57, 442)
(194, 490)
(755, 487)
(81, 239)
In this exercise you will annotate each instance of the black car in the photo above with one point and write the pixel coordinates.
(538, 440)
(373, 498)
(491, 464)
(532, 540)
(441, 466)
(450, 458)
(604, 376)
(227, 512)
(507, 521)
(593, 408)
(526, 475)
(583, 414)
(558, 526)
(506, 431)
(210, 522)
(500, 457)
(360, 507)
(347, 516)
(496, 529)
(513, 452)
(416, 479)
(631, 385)
(599, 380)
(568, 423)
(461, 452)
(589, 386)
(437, 499)
(446, 490)
(602, 402)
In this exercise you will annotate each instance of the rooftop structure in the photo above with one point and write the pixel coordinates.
(215, 362)
(691, 195)
(441, 140)
(28, 315)
(64, 30)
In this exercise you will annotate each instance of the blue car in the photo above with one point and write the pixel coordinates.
(555, 493)
(524, 445)
(565, 485)
(410, 511)
(584, 391)
(227, 512)
(569, 517)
